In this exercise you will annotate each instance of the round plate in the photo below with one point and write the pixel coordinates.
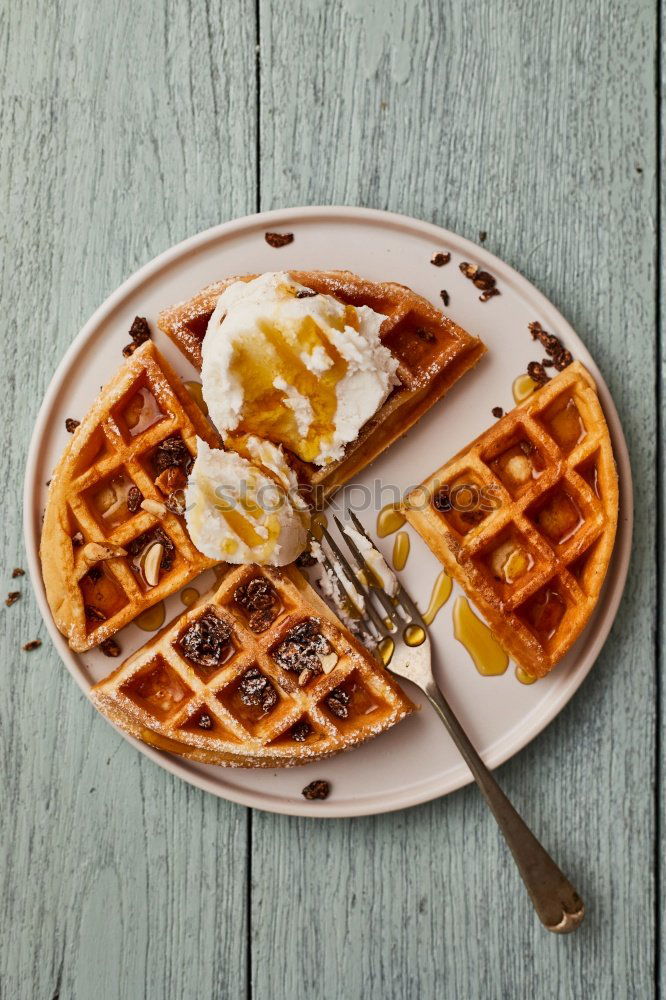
(415, 761)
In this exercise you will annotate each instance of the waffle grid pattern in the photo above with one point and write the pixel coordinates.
(432, 351)
(103, 449)
(238, 735)
(575, 481)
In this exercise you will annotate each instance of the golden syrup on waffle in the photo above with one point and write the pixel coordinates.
(560, 518)
(400, 550)
(389, 520)
(518, 465)
(195, 390)
(189, 596)
(101, 593)
(523, 677)
(488, 656)
(522, 387)
(109, 500)
(152, 618)
(414, 635)
(566, 426)
(441, 592)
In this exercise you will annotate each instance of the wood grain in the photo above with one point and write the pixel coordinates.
(124, 128)
(536, 123)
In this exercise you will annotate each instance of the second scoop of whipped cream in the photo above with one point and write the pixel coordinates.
(244, 508)
(294, 367)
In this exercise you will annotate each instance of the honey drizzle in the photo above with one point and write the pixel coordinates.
(488, 656)
(189, 596)
(441, 592)
(389, 520)
(400, 550)
(152, 618)
(195, 390)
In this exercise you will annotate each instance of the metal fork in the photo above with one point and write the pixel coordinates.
(558, 905)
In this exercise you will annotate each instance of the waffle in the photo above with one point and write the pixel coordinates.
(524, 518)
(98, 569)
(433, 353)
(223, 685)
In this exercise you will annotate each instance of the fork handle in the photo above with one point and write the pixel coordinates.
(558, 905)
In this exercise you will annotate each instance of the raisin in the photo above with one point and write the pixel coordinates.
(12, 597)
(425, 335)
(71, 425)
(446, 298)
(206, 641)
(441, 501)
(306, 293)
(440, 258)
(278, 239)
(469, 270)
(316, 790)
(33, 644)
(301, 731)
(484, 280)
(95, 573)
(93, 614)
(17, 571)
(299, 649)
(110, 647)
(204, 721)
(497, 412)
(305, 559)
(171, 453)
(338, 703)
(134, 499)
(255, 689)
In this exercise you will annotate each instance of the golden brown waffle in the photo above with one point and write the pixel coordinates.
(433, 353)
(98, 569)
(524, 518)
(188, 690)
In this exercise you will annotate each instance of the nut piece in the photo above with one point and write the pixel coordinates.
(93, 552)
(151, 564)
(328, 661)
(153, 507)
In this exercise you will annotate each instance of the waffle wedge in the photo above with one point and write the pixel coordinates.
(114, 499)
(433, 353)
(259, 673)
(524, 518)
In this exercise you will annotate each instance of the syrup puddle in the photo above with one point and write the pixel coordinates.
(441, 592)
(524, 677)
(400, 550)
(152, 618)
(189, 596)
(488, 656)
(522, 387)
(389, 520)
(385, 650)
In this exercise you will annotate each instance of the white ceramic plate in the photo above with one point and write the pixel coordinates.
(416, 761)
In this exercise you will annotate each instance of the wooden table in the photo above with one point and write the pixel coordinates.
(126, 127)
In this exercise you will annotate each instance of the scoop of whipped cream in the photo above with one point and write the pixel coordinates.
(243, 506)
(297, 368)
